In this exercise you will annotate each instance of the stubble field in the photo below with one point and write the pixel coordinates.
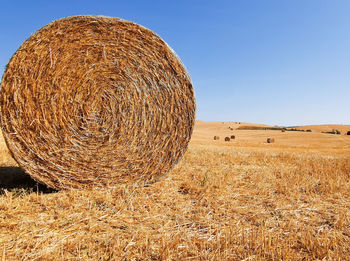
(238, 200)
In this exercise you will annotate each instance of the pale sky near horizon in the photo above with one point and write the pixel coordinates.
(275, 62)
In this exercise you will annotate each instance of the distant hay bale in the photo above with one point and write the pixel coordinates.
(227, 138)
(233, 137)
(270, 140)
(283, 130)
(216, 138)
(91, 101)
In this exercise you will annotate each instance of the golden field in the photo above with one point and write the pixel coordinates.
(238, 200)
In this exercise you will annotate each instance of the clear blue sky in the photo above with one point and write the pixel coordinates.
(278, 62)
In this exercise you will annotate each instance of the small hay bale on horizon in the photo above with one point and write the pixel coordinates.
(94, 101)
(270, 140)
(233, 137)
(227, 138)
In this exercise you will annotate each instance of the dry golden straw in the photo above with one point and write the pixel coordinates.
(92, 101)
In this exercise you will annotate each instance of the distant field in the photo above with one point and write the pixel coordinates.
(326, 128)
(239, 200)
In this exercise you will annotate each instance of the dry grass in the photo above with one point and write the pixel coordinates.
(245, 200)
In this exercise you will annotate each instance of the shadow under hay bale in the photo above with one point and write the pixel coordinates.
(12, 178)
(227, 138)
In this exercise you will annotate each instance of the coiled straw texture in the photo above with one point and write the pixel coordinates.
(91, 101)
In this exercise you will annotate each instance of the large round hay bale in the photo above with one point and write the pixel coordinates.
(227, 138)
(233, 137)
(92, 101)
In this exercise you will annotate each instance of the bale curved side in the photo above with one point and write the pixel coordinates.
(90, 101)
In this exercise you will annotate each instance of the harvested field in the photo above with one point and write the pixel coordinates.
(246, 200)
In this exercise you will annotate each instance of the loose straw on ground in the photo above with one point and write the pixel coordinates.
(92, 101)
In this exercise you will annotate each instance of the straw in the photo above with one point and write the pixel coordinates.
(92, 101)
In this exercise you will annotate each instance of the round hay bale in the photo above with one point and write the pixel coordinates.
(91, 101)
(233, 137)
(270, 140)
(227, 138)
(216, 138)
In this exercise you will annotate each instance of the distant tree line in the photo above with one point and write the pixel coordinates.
(294, 129)
(333, 132)
(258, 128)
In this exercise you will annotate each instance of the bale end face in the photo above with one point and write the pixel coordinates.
(92, 101)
